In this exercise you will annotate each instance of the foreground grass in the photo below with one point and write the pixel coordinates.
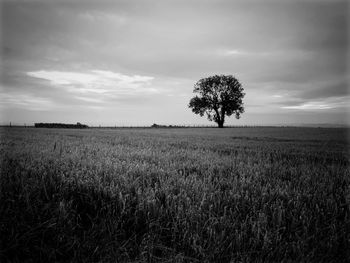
(175, 195)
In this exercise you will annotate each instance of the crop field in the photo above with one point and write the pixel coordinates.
(175, 195)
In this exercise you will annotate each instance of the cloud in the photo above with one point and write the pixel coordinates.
(94, 16)
(96, 82)
(123, 78)
(309, 106)
(258, 54)
(27, 102)
(326, 104)
(63, 78)
(90, 100)
(233, 52)
(325, 89)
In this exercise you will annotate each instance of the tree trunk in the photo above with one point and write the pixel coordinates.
(221, 124)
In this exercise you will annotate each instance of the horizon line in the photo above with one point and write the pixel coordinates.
(162, 126)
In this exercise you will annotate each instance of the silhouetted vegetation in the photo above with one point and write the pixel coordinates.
(61, 125)
(175, 195)
(218, 97)
(154, 125)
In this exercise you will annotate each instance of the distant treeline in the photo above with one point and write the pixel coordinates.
(204, 126)
(154, 125)
(60, 125)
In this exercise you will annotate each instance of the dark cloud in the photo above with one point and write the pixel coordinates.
(327, 90)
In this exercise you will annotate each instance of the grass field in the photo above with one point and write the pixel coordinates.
(175, 195)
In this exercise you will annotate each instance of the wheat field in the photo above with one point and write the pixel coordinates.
(175, 195)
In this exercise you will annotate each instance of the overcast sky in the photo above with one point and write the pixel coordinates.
(135, 62)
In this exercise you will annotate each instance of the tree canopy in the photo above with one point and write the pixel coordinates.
(218, 96)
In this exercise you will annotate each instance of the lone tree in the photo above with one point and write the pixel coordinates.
(218, 96)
